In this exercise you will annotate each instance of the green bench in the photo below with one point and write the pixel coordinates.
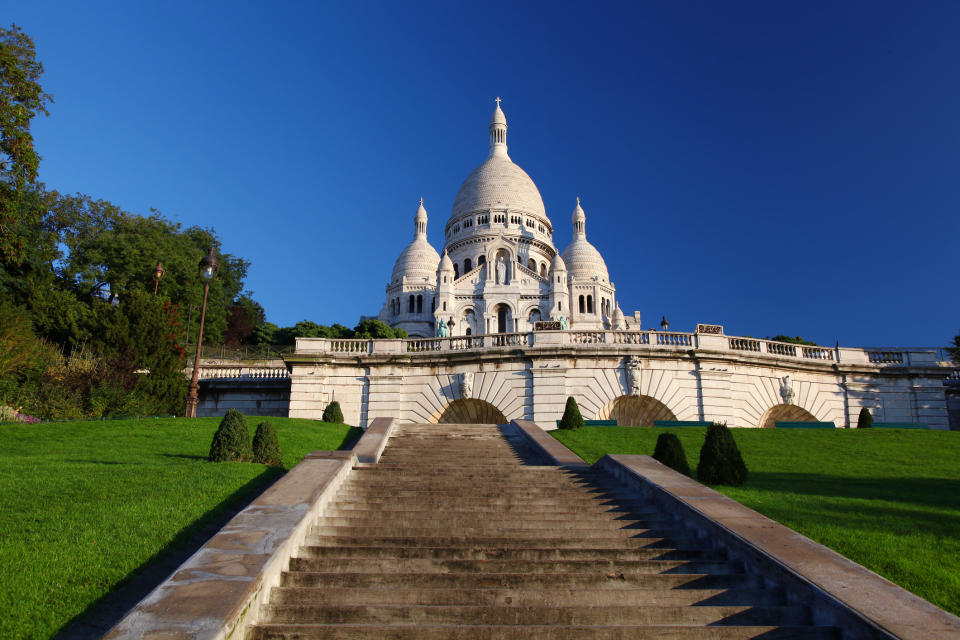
(805, 425)
(680, 423)
(899, 425)
(597, 423)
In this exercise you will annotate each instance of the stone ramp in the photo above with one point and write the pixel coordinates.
(461, 532)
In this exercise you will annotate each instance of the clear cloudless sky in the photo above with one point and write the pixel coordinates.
(775, 167)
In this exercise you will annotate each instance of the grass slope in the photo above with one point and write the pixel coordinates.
(888, 499)
(84, 505)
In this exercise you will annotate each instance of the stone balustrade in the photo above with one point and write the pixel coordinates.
(242, 372)
(654, 340)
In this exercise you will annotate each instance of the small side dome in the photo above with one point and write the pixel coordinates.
(446, 264)
(618, 321)
(582, 258)
(419, 259)
(558, 264)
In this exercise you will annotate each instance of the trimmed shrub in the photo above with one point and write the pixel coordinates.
(332, 413)
(864, 420)
(669, 451)
(720, 460)
(266, 446)
(231, 442)
(571, 416)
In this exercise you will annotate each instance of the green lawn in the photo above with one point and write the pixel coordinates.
(84, 505)
(886, 498)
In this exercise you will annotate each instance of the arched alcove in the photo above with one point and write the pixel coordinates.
(469, 411)
(635, 411)
(784, 413)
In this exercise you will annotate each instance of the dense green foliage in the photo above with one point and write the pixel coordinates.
(92, 503)
(720, 459)
(231, 442)
(792, 340)
(266, 446)
(332, 412)
(669, 451)
(864, 420)
(886, 498)
(571, 415)
(954, 349)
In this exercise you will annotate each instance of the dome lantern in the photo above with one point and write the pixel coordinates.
(498, 132)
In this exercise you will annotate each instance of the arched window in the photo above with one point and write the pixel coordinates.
(433, 304)
(467, 266)
(410, 306)
(589, 304)
(582, 309)
(444, 306)
(481, 260)
(559, 306)
(469, 331)
(532, 265)
(456, 271)
(419, 303)
(543, 269)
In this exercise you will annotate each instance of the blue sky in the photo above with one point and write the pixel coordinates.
(772, 167)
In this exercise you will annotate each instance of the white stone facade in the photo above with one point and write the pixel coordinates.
(633, 376)
(500, 271)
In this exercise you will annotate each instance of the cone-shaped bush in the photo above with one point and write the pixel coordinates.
(720, 460)
(571, 415)
(332, 413)
(266, 447)
(670, 452)
(231, 442)
(864, 420)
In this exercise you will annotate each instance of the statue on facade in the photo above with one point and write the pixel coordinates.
(442, 328)
(786, 389)
(563, 323)
(633, 375)
(501, 271)
(466, 385)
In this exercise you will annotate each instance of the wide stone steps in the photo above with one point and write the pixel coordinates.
(525, 553)
(546, 597)
(462, 532)
(535, 632)
(520, 615)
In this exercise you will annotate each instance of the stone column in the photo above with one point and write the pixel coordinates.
(549, 392)
(385, 397)
(715, 399)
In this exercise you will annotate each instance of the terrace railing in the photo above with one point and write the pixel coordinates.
(618, 339)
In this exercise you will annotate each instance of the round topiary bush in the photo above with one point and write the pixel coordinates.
(231, 442)
(720, 459)
(266, 446)
(333, 413)
(571, 416)
(864, 420)
(670, 452)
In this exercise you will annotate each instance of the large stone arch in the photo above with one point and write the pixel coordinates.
(469, 411)
(784, 413)
(637, 411)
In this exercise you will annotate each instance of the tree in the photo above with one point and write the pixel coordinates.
(231, 442)
(333, 413)
(720, 459)
(244, 317)
(571, 415)
(864, 420)
(792, 340)
(669, 451)
(955, 349)
(266, 446)
(21, 98)
(371, 328)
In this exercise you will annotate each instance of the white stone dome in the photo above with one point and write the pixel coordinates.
(498, 183)
(419, 259)
(582, 258)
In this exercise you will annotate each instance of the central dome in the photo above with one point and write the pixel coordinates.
(498, 184)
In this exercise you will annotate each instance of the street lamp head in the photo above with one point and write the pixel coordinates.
(158, 271)
(664, 324)
(209, 266)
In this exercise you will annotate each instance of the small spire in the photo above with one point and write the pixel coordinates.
(578, 201)
(420, 221)
(579, 221)
(498, 131)
(497, 100)
(421, 200)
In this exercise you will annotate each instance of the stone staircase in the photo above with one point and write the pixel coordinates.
(458, 532)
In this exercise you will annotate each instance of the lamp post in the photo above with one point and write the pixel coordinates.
(664, 324)
(157, 274)
(208, 269)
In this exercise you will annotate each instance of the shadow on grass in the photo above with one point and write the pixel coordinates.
(108, 610)
(928, 492)
(182, 456)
